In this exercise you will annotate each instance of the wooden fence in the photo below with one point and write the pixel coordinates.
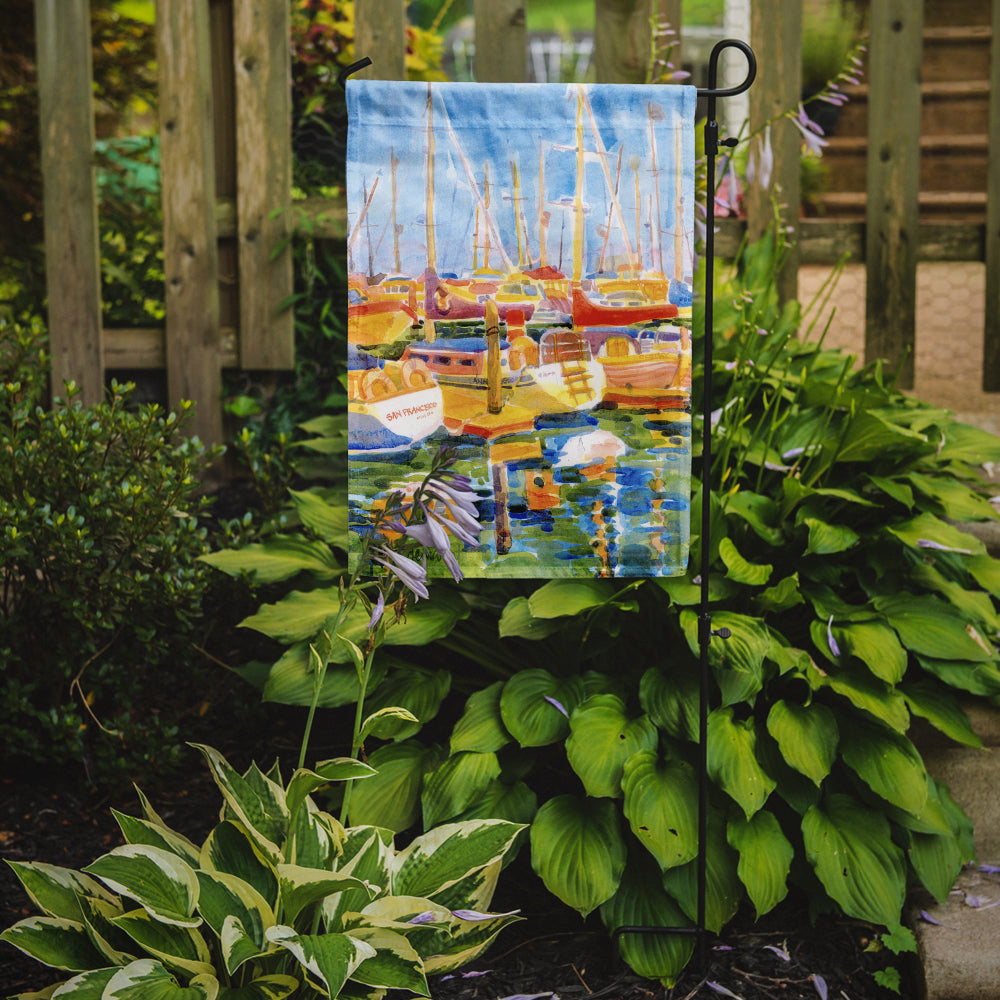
(226, 161)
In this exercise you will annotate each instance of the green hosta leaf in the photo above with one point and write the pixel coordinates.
(180, 948)
(301, 887)
(456, 784)
(230, 849)
(965, 443)
(559, 598)
(671, 699)
(225, 897)
(291, 680)
(684, 592)
(535, 706)
(279, 558)
(931, 628)
(876, 646)
(941, 709)
(517, 620)
(765, 858)
(54, 941)
(330, 959)
(602, 738)
(438, 859)
(578, 851)
(732, 760)
(723, 889)
(888, 763)
(386, 723)
(783, 595)
(758, 511)
(893, 488)
(986, 572)
(661, 798)
(641, 901)
(516, 803)
(866, 692)
(957, 501)
(937, 858)
(418, 690)
(850, 848)
(56, 891)
(827, 539)
(86, 986)
(976, 678)
(147, 979)
(260, 809)
(481, 727)
(141, 831)
(870, 435)
(975, 605)
(391, 798)
(327, 520)
(274, 987)
(159, 881)
(739, 569)
(395, 964)
(807, 736)
(927, 528)
(738, 661)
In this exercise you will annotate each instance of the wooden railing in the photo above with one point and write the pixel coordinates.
(226, 161)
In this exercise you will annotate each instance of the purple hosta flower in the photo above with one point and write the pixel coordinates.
(990, 869)
(820, 983)
(811, 132)
(761, 163)
(719, 988)
(728, 195)
(927, 543)
(411, 574)
(427, 917)
(475, 915)
(377, 612)
(463, 519)
(431, 535)
(927, 918)
(780, 952)
(834, 648)
(552, 701)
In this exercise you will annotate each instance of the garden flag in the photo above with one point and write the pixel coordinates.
(520, 261)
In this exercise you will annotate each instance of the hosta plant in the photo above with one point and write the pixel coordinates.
(279, 900)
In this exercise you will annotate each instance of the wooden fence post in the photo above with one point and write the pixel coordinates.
(991, 332)
(262, 61)
(501, 41)
(623, 37)
(892, 214)
(190, 252)
(72, 255)
(380, 34)
(776, 35)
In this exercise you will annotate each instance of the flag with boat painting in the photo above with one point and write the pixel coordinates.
(520, 260)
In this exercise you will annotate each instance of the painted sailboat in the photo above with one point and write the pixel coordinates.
(392, 408)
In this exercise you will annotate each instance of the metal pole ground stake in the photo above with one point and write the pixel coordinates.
(705, 631)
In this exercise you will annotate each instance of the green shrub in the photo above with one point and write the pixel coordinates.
(279, 900)
(99, 541)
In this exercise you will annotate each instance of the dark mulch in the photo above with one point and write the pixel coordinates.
(551, 952)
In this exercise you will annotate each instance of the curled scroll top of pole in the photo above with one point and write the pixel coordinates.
(713, 69)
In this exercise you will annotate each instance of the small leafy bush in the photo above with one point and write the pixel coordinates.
(280, 899)
(100, 582)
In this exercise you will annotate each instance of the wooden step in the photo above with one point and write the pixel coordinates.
(947, 162)
(956, 53)
(957, 206)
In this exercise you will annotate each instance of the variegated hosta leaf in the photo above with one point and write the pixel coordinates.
(642, 902)
(481, 727)
(256, 801)
(116, 947)
(395, 964)
(230, 849)
(765, 858)
(304, 782)
(141, 831)
(578, 851)
(86, 986)
(732, 760)
(418, 690)
(661, 799)
(177, 947)
(300, 887)
(456, 784)
(476, 890)
(535, 706)
(466, 941)
(56, 891)
(888, 763)
(147, 979)
(225, 897)
(723, 889)
(850, 847)
(329, 959)
(807, 736)
(441, 857)
(273, 987)
(367, 853)
(315, 838)
(602, 737)
(54, 941)
(391, 799)
(158, 880)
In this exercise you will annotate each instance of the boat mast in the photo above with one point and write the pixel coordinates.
(543, 220)
(578, 197)
(679, 206)
(429, 217)
(656, 114)
(486, 209)
(393, 163)
(634, 164)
